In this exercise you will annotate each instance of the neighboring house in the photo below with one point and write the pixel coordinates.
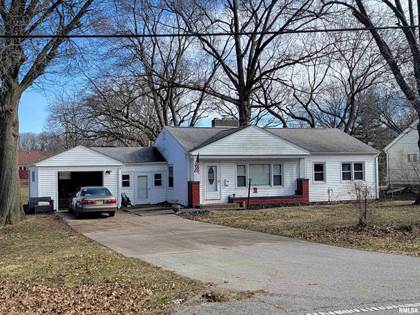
(403, 160)
(284, 166)
(27, 158)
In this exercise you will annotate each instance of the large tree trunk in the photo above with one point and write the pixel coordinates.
(10, 210)
(244, 109)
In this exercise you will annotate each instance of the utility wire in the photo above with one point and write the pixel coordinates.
(193, 34)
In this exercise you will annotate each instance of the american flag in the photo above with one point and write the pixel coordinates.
(197, 164)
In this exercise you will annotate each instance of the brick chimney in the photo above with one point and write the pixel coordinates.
(224, 122)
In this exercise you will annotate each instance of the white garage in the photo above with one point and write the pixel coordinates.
(139, 172)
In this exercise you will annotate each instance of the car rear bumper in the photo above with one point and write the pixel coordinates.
(97, 209)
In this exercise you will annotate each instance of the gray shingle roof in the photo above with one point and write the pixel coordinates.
(131, 155)
(314, 140)
(323, 140)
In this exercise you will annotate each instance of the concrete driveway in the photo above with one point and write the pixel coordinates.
(297, 276)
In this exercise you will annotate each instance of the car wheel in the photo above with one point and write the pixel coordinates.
(77, 213)
(111, 214)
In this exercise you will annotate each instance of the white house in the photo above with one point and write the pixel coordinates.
(141, 173)
(402, 157)
(281, 166)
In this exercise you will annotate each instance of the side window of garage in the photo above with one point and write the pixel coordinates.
(126, 180)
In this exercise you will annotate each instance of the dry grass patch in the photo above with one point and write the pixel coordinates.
(394, 226)
(24, 192)
(45, 267)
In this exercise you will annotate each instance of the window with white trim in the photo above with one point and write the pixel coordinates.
(352, 171)
(126, 180)
(346, 171)
(170, 176)
(277, 178)
(319, 172)
(241, 175)
(412, 157)
(358, 171)
(260, 174)
(158, 180)
(33, 176)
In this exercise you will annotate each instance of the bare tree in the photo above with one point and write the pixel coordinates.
(363, 194)
(245, 61)
(328, 90)
(22, 61)
(154, 64)
(399, 58)
(44, 141)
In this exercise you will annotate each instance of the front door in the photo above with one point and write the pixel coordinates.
(212, 182)
(142, 189)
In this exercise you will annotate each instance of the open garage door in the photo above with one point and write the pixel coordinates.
(70, 182)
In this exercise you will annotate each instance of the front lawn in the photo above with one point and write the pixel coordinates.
(394, 226)
(47, 268)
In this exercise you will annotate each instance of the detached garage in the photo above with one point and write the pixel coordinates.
(61, 175)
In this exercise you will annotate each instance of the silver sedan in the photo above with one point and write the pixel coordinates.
(93, 199)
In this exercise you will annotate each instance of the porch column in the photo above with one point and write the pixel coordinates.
(303, 188)
(193, 194)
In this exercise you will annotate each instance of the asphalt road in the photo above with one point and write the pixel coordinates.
(297, 277)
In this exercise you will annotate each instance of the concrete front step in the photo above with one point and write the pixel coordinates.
(221, 206)
(150, 210)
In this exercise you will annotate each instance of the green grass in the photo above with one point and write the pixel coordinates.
(45, 267)
(334, 224)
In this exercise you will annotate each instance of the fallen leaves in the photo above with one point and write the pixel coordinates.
(47, 268)
(20, 298)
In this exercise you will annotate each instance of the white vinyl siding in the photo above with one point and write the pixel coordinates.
(401, 167)
(48, 180)
(228, 179)
(251, 141)
(334, 188)
(175, 155)
(156, 193)
(79, 156)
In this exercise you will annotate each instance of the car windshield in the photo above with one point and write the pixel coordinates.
(96, 192)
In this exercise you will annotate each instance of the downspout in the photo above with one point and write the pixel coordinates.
(377, 175)
(119, 188)
(388, 171)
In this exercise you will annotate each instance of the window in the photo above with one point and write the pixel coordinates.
(346, 171)
(241, 175)
(352, 171)
(277, 180)
(158, 180)
(96, 192)
(171, 177)
(319, 172)
(358, 171)
(126, 180)
(259, 174)
(33, 176)
(412, 157)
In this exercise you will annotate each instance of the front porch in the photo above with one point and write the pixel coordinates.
(301, 196)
